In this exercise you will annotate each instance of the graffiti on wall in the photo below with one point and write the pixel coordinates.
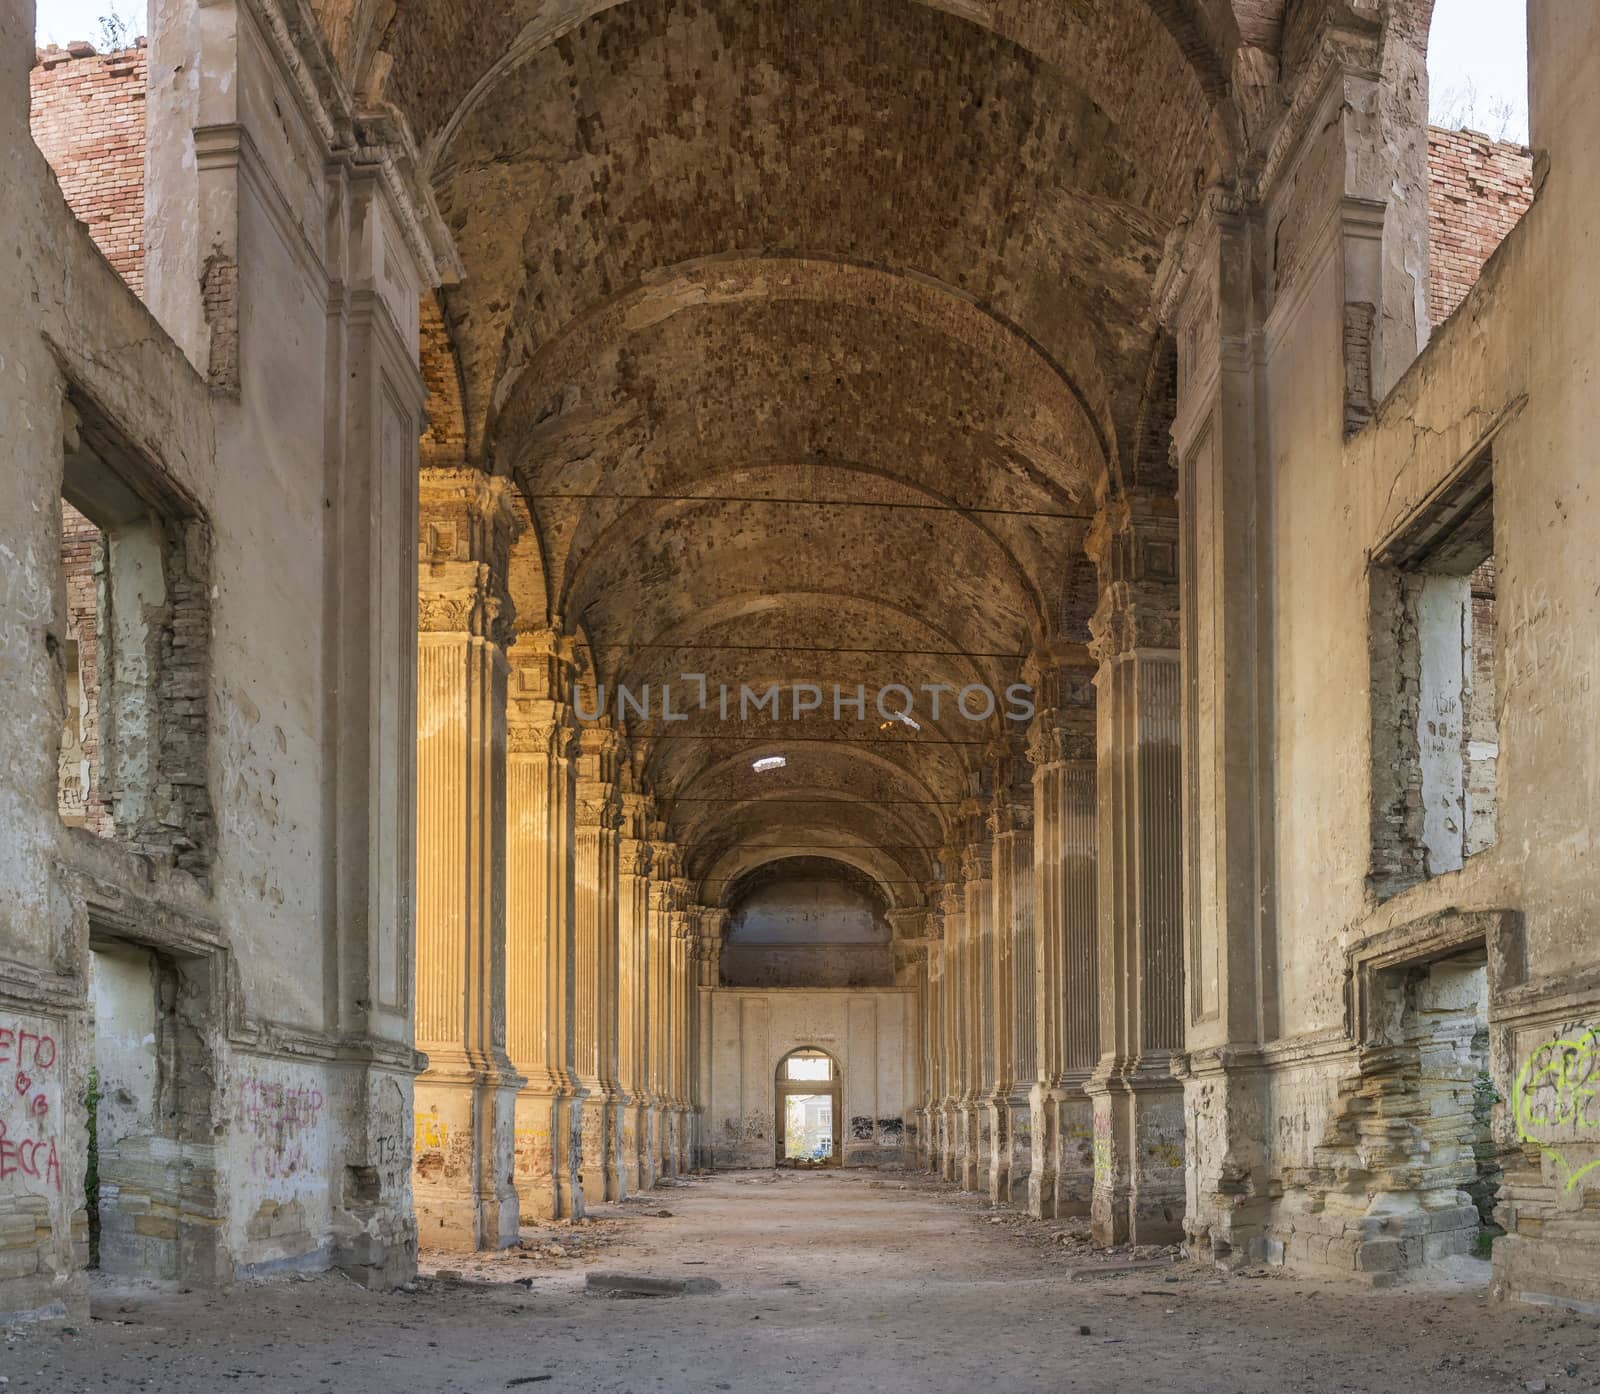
(282, 1121)
(30, 1095)
(1556, 1100)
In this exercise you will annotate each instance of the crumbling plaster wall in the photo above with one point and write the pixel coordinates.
(870, 1035)
(306, 1059)
(1511, 368)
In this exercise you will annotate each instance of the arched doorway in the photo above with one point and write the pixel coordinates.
(807, 1108)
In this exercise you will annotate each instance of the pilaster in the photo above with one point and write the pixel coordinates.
(1138, 1105)
(541, 741)
(711, 925)
(1061, 745)
(680, 967)
(1011, 979)
(465, 1100)
(952, 916)
(1225, 498)
(595, 930)
(975, 1119)
(930, 1140)
(633, 1044)
(663, 910)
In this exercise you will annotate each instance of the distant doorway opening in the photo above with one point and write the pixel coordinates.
(808, 1109)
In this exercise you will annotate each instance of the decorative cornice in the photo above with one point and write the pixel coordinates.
(1346, 42)
(379, 142)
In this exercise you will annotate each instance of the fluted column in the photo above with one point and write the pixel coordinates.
(599, 813)
(1138, 1103)
(910, 929)
(680, 968)
(952, 914)
(663, 908)
(1012, 822)
(933, 1063)
(977, 869)
(996, 947)
(711, 925)
(633, 1036)
(465, 1100)
(1066, 1002)
(541, 741)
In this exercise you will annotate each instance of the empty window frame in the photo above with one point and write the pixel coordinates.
(132, 762)
(1435, 741)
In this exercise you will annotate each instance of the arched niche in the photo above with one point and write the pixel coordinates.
(807, 922)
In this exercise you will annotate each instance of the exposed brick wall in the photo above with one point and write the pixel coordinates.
(445, 440)
(88, 120)
(81, 561)
(1477, 190)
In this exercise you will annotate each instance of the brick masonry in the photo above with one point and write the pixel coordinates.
(1477, 190)
(88, 120)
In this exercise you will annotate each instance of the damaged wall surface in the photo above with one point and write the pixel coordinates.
(462, 529)
(871, 1036)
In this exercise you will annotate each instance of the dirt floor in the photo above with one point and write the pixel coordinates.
(828, 1282)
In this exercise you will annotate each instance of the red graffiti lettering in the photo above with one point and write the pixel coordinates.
(42, 1055)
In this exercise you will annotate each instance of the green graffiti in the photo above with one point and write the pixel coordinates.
(1553, 1098)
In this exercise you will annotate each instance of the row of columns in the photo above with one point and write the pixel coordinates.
(1052, 984)
(559, 955)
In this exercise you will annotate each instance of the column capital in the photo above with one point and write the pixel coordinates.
(633, 857)
(598, 806)
(1062, 735)
(539, 728)
(467, 522)
(910, 923)
(952, 901)
(1134, 546)
(977, 862)
(636, 810)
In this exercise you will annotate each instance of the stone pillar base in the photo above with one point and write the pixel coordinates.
(1229, 1191)
(600, 1149)
(948, 1162)
(640, 1160)
(1075, 1151)
(996, 1140)
(1021, 1134)
(463, 1161)
(1044, 1119)
(682, 1142)
(668, 1130)
(658, 1142)
(1138, 1195)
(546, 1159)
(969, 1145)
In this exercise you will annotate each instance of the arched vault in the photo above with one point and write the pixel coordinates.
(811, 334)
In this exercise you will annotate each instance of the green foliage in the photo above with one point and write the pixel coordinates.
(91, 1173)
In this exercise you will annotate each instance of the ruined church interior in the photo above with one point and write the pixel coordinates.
(904, 678)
